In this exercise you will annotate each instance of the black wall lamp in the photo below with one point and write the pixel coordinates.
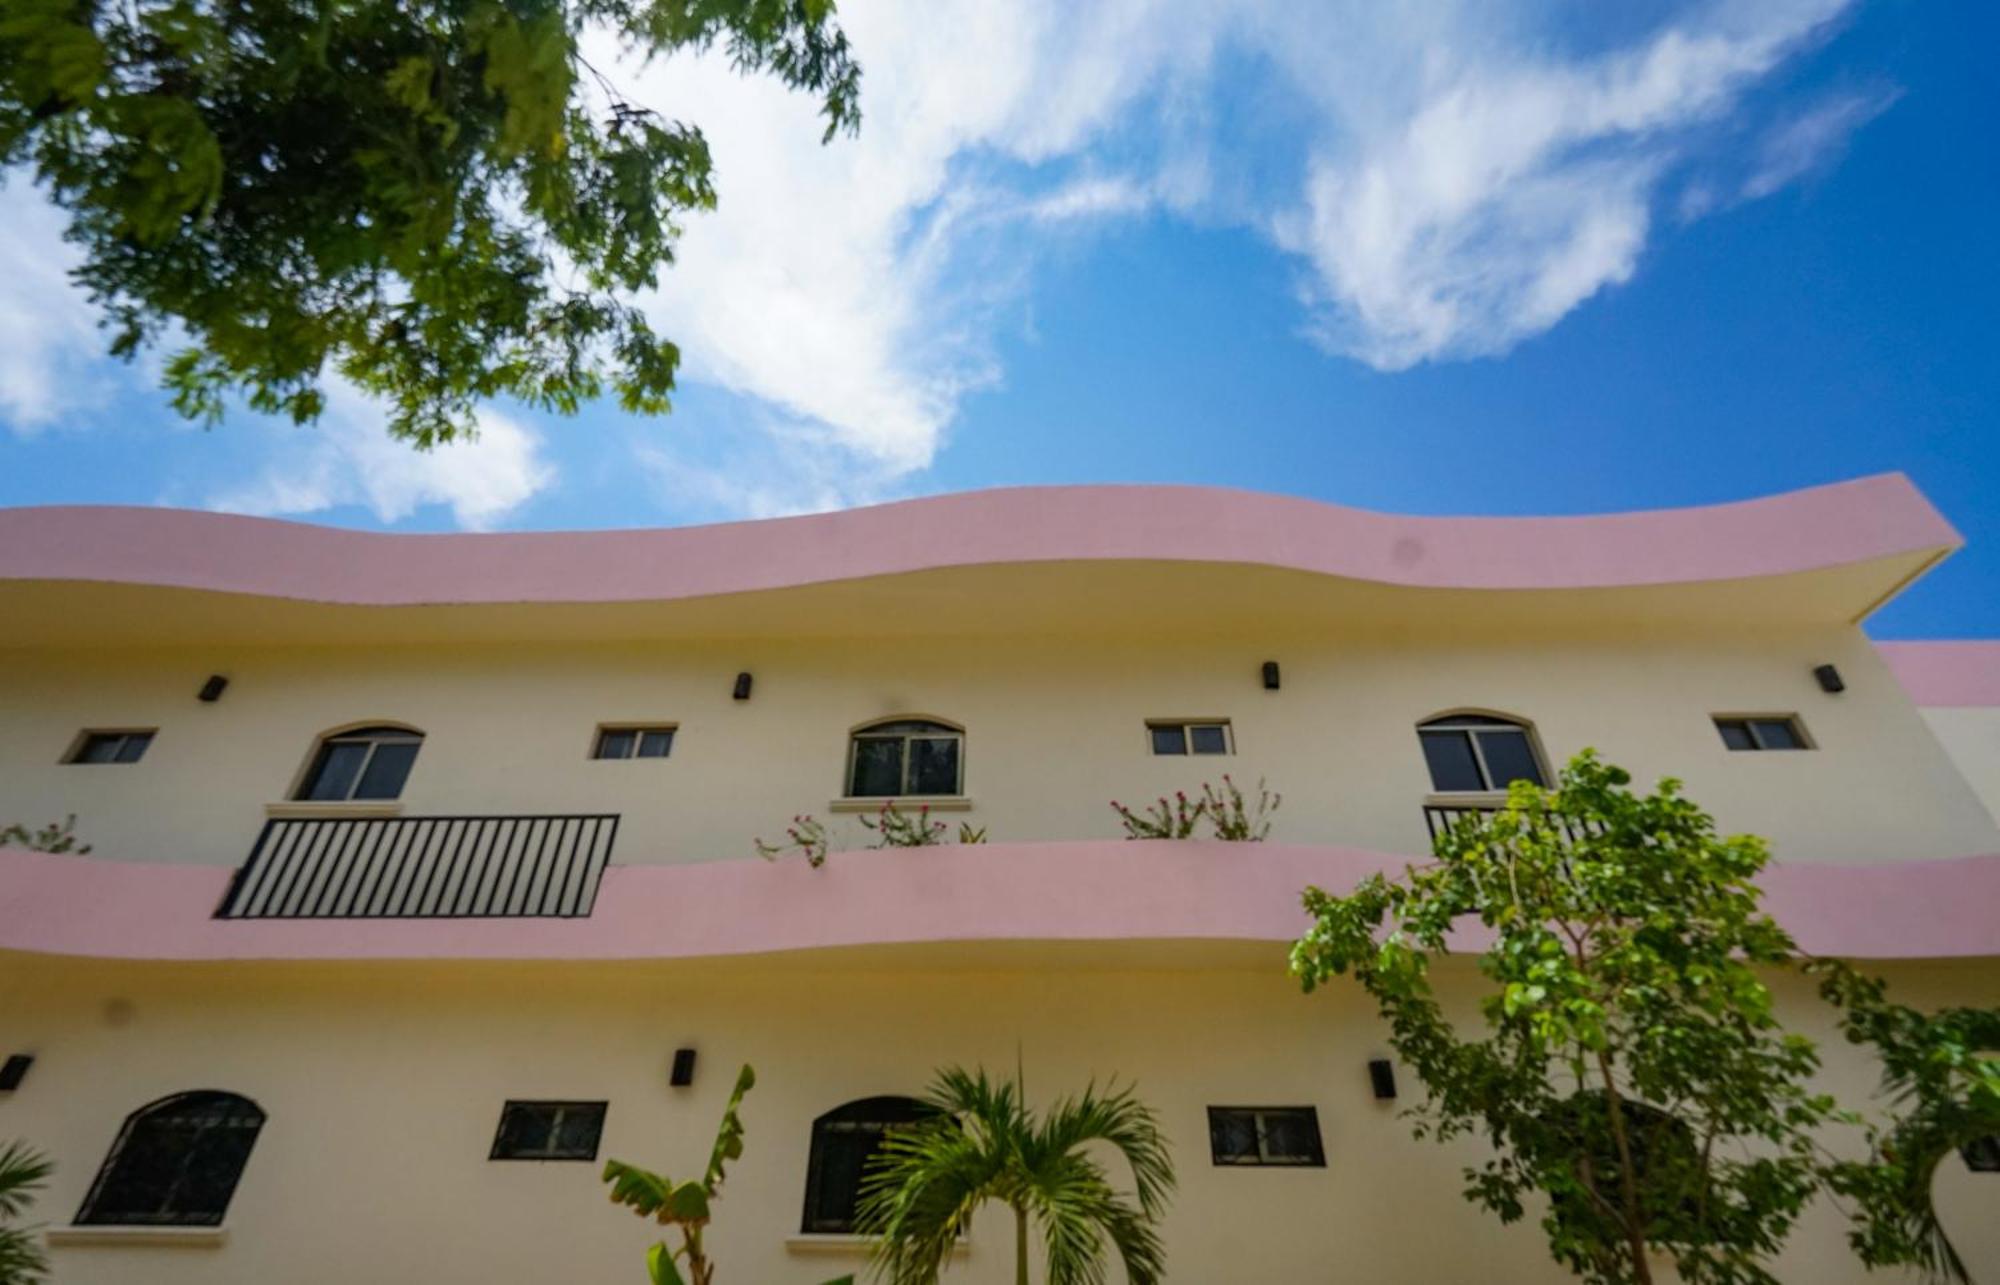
(1382, 1078)
(683, 1073)
(742, 691)
(14, 1070)
(1270, 675)
(211, 691)
(1829, 679)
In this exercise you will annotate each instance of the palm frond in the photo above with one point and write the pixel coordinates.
(1118, 1117)
(23, 1172)
(922, 1185)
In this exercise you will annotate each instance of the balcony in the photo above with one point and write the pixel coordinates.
(1441, 818)
(437, 867)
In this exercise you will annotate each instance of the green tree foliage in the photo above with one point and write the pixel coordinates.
(685, 1205)
(985, 1144)
(438, 199)
(23, 1172)
(1630, 1070)
(1941, 1078)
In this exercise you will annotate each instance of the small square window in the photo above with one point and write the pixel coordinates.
(633, 742)
(1181, 737)
(1767, 732)
(1271, 1136)
(111, 747)
(549, 1131)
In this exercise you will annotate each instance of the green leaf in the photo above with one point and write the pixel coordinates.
(662, 1268)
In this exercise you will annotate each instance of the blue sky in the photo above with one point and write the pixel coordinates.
(1491, 258)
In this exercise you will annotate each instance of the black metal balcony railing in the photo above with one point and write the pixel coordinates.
(1439, 819)
(422, 868)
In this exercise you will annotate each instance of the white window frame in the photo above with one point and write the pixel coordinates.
(404, 736)
(945, 731)
(1508, 723)
(1187, 726)
(1265, 1158)
(87, 735)
(672, 731)
(1757, 746)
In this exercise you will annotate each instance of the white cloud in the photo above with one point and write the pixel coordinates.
(1814, 138)
(348, 458)
(49, 342)
(1451, 178)
(1458, 182)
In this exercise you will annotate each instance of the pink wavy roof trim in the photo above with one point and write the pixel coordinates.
(1103, 890)
(1826, 526)
(1940, 674)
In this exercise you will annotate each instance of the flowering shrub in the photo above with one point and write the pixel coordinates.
(805, 835)
(1231, 817)
(1161, 820)
(50, 838)
(899, 831)
(1233, 821)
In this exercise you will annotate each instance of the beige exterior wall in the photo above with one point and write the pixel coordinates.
(1971, 736)
(1055, 730)
(383, 1085)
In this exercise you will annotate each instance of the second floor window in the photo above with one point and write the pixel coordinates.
(110, 747)
(1469, 753)
(633, 742)
(1179, 737)
(886, 760)
(366, 763)
(1775, 732)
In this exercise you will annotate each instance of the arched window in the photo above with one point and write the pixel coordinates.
(842, 1141)
(175, 1163)
(1477, 752)
(365, 763)
(906, 756)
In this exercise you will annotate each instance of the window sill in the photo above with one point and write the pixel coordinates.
(848, 1243)
(111, 1234)
(299, 808)
(905, 803)
(1468, 799)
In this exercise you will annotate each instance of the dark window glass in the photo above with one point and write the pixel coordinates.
(1735, 733)
(1265, 1136)
(656, 744)
(549, 1131)
(112, 747)
(1452, 766)
(334, 772)
(368, 763)
(878, 767)
(1776, 734)
(1209, 738)
(1509, 758)
(1169, 738)
(388, 767)
(1982, 1155)
(934, 765)
(842, 1142)
(176, 1163)
(615, 745)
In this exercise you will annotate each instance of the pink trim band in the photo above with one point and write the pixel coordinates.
(1827, 526)
(1944, 674)
(1103, 890)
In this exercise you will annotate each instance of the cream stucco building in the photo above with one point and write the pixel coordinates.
(416, 859)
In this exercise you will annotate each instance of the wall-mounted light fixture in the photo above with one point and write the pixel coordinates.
(1382, 1078)
(1829, 679)
(683, 1073)
(1270, 675)
(211, 691)
(14, 1070)
(742, 691)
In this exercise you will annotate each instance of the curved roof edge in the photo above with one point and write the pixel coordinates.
(1113, 891)
(1828, 526)
(1944, 674)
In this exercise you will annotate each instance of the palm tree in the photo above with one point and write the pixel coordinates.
(22, 1173)
(984, 1144)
